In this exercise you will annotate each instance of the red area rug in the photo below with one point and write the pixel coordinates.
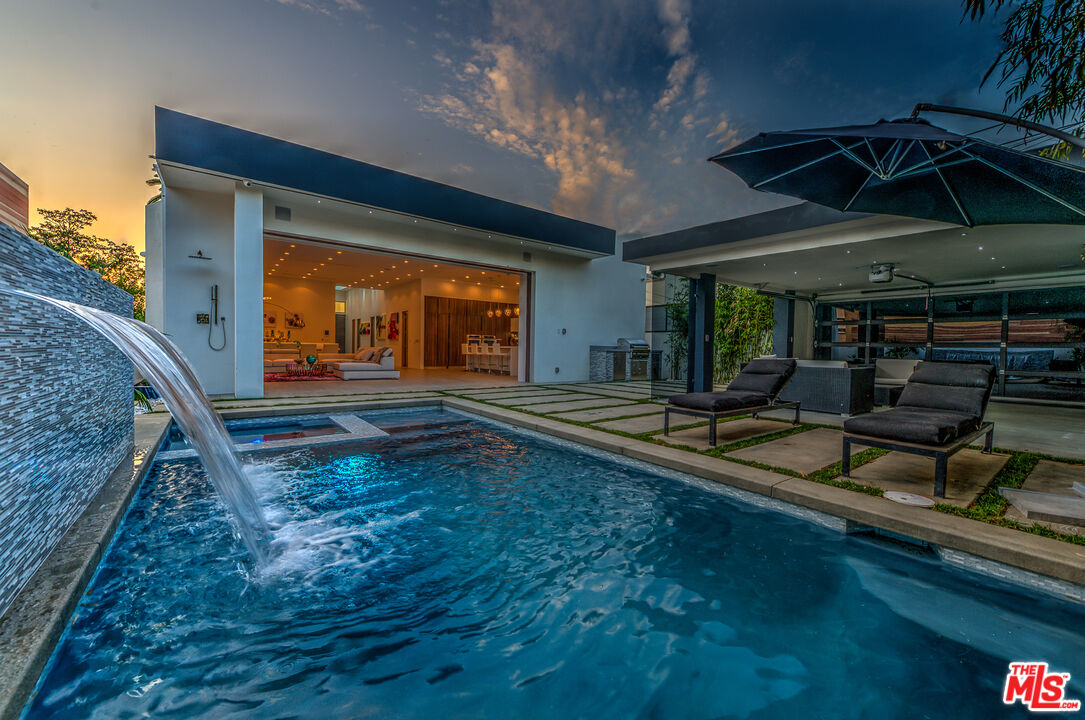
(283, 377)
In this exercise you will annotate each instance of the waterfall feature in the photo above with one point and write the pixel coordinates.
(166, 368)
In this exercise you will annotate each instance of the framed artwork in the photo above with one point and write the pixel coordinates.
(365, 328)
(271, 318)
(393, 326)
(293, 320)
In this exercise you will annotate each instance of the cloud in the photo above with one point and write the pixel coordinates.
(724, 133)
(675, 17)
(327, 7)
(506, 100)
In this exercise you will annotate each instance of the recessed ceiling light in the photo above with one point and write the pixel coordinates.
(337, 252)
(293, 246)
(483, 272)
(453, 279)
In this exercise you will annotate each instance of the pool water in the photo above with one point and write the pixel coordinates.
(246, 432)
(457, 569)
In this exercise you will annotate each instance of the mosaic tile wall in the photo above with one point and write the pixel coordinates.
(66, 417)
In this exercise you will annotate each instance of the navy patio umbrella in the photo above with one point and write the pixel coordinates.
(911, 167)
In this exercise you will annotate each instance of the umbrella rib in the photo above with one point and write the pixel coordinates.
(848, 151)
(874, 155)
(796, 169)
(1027, 183)
(763, 149)
(932, 160)
(899, 156)
(856, 195)
(952, 195)
(919, 169)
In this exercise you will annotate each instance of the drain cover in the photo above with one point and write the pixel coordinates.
(909, 499)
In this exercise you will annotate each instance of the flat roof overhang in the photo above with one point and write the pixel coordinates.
(813, 251)
(188, 143)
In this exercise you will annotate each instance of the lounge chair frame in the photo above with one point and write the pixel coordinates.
(940, 453)
(713, 417)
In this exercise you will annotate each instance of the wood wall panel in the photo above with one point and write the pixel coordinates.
(449, 321)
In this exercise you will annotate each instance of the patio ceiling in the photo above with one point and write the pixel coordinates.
(834, 258)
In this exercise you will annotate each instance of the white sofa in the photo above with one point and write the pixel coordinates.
(893, 371)
(366, 364)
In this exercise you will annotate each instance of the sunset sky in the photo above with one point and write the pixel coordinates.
(602, 110)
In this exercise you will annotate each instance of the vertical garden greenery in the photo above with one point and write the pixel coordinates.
(743, 329)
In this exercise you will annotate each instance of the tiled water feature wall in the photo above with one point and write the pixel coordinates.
(66, 413)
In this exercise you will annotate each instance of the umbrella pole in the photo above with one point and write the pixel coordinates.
(998, 117)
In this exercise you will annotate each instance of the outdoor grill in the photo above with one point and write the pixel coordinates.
(628, 359)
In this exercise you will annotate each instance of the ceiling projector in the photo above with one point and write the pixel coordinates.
(881, 273)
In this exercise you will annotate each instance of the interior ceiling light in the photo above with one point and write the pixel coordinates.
(293, 245)
(337, 252)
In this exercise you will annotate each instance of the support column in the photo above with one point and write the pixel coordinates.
(248, 320)
(783, 327)
(702, 330)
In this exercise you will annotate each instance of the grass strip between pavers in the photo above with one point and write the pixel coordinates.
(991, 507)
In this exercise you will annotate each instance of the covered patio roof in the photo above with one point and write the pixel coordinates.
(816, 251)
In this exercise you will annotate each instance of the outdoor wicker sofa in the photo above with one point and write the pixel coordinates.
(940, 411)
(754, 390)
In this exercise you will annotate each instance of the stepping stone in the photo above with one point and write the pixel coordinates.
(726, 432)
(1052, 477)
(512, 394)
(502, 389)
(531, 399)
(1050, 507)
(969, 472)
(607, 413)
(636, 425)
(567, 405)
(805, 452)
(627, 394)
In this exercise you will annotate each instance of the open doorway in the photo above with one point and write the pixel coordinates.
(327, 305)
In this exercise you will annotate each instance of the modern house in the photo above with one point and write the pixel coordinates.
(262, 243)
(14, 200)
(858, 287)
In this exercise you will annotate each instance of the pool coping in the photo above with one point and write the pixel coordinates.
(40, 613)
(33, 624)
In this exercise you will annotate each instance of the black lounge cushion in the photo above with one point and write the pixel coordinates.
(720, 401)
(913, 424)
(953, 387)
(764, 375)
(940, 403)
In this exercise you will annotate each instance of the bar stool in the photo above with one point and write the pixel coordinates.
(468, 357)
(502, 356)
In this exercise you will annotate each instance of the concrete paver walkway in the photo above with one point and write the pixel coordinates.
(969, 472)
(805, 452)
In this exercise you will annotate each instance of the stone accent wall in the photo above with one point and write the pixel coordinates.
(66, 413)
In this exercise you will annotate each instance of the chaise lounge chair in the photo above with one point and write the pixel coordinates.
(940, 411)
(754, 390)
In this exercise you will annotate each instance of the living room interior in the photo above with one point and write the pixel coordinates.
(333, 313)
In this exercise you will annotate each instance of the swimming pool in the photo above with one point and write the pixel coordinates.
(461, 569)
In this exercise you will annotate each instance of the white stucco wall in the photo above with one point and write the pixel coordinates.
(577, 302)
(191, 221)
